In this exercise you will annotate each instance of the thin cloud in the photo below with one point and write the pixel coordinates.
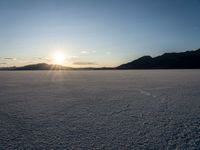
(88, 51)
(84, 63)
(84, 52)
(9, 58)
(3, 63)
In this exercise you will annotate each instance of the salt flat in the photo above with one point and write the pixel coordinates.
(138, 109)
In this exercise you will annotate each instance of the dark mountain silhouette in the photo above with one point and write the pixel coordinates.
(183, 60)
(42, 66)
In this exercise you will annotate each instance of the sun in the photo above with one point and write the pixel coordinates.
(58, 58)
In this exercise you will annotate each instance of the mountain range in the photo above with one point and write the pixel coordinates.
(181, 60)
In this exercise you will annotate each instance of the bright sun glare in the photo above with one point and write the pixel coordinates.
(59, 58)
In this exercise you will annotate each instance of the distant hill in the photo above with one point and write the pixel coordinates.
(40, 66)
(44, 66)
(182, 60)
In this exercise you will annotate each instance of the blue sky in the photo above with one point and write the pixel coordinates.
(95, 32)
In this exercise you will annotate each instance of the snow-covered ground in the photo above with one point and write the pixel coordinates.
(152, 109)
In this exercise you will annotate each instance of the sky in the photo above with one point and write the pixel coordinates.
(95, 33)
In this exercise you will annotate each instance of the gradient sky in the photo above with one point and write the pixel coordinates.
(95, 32)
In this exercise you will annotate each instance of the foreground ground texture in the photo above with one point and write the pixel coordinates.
(152, 109)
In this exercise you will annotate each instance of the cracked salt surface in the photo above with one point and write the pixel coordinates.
(158, 109)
